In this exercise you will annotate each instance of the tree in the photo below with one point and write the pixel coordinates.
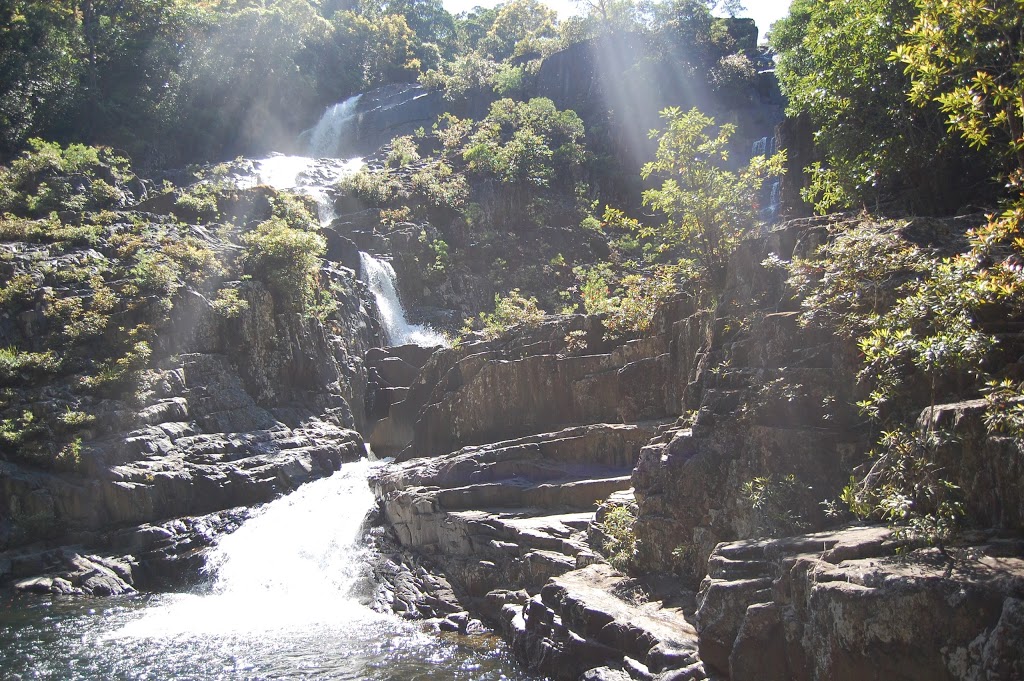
(708, 208)
(835, 66)
(39, 68)
(519, 24)
(968, 55)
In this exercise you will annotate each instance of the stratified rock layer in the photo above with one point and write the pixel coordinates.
(841, 605)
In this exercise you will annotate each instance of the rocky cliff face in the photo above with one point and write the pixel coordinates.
(842, 605)
(223, 407)
(510, 441)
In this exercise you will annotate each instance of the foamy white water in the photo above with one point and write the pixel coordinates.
(380, 277)
(327, 138)
(284, 603)
(289, 569)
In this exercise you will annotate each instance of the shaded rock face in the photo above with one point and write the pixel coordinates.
(766, 398)
(391, 372)
(502, 389)
(145, 557)
(232, 410)
(840, 605)
(989, 470)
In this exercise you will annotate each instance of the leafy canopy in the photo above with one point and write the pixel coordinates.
(835, 67)
(708, 208)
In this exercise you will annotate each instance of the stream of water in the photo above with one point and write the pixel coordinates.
(284, 602)
(286, 591)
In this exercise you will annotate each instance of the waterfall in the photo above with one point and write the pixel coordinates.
(289, 568)
(328, 135)
(380, 277)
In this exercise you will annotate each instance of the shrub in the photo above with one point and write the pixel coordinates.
(403, 152)
(17, 291)
(15, 364)
(286, 259)
(620, 541)
(511, 310)
(858, 273)
(373, 188)
(772, 501)
(228, 304)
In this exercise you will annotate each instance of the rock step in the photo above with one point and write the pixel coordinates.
(516, 493)
(578, 622)
(503, 534)
(567, 453)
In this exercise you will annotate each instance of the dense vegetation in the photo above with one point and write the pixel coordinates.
(90, 285)
(170, 81)
(934, 76)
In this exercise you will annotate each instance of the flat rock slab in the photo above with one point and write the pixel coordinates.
(585, 619)
(844, 605)
(591, 600)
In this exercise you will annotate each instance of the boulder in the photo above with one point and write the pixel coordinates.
(582, 623)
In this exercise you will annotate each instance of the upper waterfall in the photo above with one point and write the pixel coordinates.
(328, 135)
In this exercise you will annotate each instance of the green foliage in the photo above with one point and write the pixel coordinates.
(402, 153)
(916, 320)
(825, 191)
(509, 311)
(597, 298)
(856, 274)
(155, 272)
(440, 185)
(772, 501)
(17, 365)
(929, 331)
(228, 304)
(707, 207)
(834, 66)
(620, 541)
(906, 488)
(442, 259)
(16, 292)
(966, 56)
(637, 297)
(527, 143)
(48, 177)
(519, 27)
(287, 259)
(374, 188)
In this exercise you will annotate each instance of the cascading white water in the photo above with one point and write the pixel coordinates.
(380, 277)
(284, 604)
(328, 135)
(290, 568)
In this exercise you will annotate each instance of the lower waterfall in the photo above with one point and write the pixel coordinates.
(380, 277)
(285, 600)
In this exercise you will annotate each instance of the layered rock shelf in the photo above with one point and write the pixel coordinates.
(505, 446)
(843, 605)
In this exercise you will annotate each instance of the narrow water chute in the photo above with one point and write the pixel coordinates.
(379, 275)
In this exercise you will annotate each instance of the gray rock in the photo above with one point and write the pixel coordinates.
(836, 607)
